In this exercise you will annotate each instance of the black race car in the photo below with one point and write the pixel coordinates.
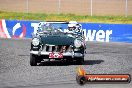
(50, 42)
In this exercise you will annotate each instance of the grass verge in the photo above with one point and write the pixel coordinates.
(65, 17)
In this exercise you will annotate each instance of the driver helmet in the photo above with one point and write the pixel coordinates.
(78, 27)
(72, 26)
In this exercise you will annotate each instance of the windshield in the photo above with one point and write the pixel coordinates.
(55, 28)
(46, 27)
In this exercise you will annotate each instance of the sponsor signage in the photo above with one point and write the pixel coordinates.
(93, 31)
(82, 77)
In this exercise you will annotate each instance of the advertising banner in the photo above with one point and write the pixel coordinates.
(93, 31)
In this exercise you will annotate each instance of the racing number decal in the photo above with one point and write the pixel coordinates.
(57, 55)
(51, 55)
(60, 55)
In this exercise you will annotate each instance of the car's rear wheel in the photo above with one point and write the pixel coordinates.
(33, 61)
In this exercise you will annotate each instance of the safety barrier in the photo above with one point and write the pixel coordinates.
(93, 31)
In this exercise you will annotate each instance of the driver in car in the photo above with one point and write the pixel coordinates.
(72, 27)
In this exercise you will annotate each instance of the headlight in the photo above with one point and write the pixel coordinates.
(77, 43)
(35, 41)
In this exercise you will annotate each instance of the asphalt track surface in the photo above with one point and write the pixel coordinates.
(101, 58)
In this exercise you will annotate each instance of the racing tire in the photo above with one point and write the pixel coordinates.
(81, 80)
(33, 61)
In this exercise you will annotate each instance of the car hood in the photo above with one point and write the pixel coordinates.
(57, 39)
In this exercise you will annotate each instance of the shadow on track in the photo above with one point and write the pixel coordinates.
(92, 62)
(64, 63)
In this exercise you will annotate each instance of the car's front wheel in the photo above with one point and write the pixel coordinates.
(33, 61)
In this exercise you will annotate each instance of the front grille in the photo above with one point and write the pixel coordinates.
(57, 48)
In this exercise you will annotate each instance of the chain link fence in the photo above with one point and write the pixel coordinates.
(80, 7)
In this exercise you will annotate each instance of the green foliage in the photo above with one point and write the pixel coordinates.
(65, 17)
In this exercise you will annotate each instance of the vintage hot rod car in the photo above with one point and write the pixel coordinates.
(50, 42)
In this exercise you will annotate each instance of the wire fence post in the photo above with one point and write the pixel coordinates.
(27, 6)
(59, 2)
(91, 12)
(126, 8)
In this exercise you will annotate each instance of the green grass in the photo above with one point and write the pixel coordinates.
(65, 17)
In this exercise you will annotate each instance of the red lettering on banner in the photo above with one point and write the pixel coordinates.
(2, 33)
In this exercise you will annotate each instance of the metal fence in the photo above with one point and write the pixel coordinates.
(81, 7)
